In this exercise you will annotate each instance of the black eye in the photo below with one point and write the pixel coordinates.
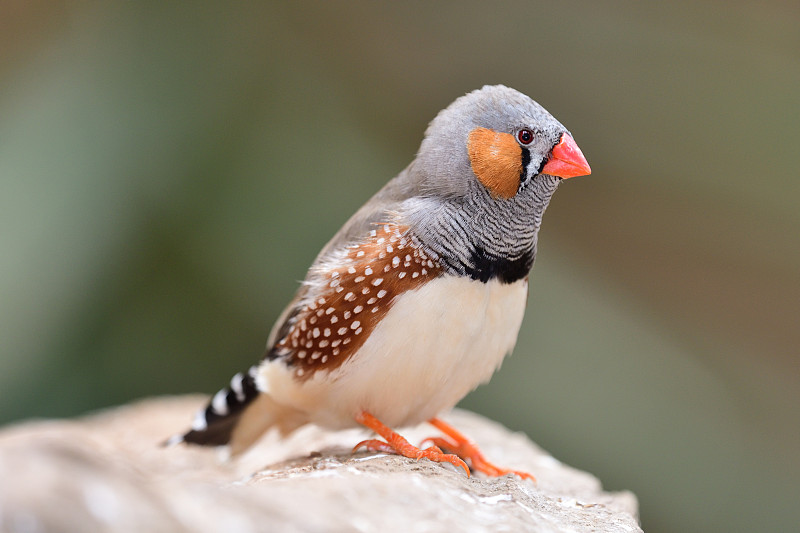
(525, 136)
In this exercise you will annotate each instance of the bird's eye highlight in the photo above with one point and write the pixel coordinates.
(525, 136)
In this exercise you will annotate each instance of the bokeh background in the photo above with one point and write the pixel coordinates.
(169, 170)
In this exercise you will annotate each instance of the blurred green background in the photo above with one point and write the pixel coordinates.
(168, 171)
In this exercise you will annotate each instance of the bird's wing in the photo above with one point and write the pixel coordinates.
(380, 208)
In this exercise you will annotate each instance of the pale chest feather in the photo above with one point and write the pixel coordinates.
(436, 343)
(347, 296)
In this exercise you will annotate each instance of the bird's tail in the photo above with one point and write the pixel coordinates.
(238, 415)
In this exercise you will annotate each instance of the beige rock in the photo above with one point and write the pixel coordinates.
(107, 472)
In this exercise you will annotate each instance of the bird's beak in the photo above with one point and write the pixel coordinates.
(566, 160)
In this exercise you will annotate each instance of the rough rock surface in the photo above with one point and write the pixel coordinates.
(106, 472)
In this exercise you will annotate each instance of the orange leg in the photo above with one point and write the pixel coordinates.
(397, 444)
(468, 451)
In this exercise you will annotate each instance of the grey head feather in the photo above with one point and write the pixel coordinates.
(442, 166)
(452, 213)
(441, 172)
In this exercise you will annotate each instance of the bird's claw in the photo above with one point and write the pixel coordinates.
(462, 447)
(432, 453)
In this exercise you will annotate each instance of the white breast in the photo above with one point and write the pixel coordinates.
(434, 346)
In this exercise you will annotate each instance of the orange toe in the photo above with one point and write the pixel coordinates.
(397, 444)
(374, 445)
(468, 451)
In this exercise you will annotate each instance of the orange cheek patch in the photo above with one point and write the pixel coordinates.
(496, 160)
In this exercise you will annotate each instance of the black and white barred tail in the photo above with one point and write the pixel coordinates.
(214, 424)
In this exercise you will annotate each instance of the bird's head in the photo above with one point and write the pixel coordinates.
(494, 140)
(482, 179)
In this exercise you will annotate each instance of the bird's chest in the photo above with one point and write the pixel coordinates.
(435, 345)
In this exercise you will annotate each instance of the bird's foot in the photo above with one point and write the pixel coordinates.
(397, 444)
(467, 450)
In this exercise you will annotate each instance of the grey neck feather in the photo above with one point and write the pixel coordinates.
(479, 236)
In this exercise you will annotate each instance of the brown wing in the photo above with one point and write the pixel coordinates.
(347, 297)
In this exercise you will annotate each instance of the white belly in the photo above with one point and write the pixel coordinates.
(435, 345)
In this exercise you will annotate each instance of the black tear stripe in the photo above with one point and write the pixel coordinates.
(526, 159)
(485, 266)
(541, 165)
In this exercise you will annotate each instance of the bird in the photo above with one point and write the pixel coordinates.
(418, 298)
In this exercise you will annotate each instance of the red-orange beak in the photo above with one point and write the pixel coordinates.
(566, 160)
